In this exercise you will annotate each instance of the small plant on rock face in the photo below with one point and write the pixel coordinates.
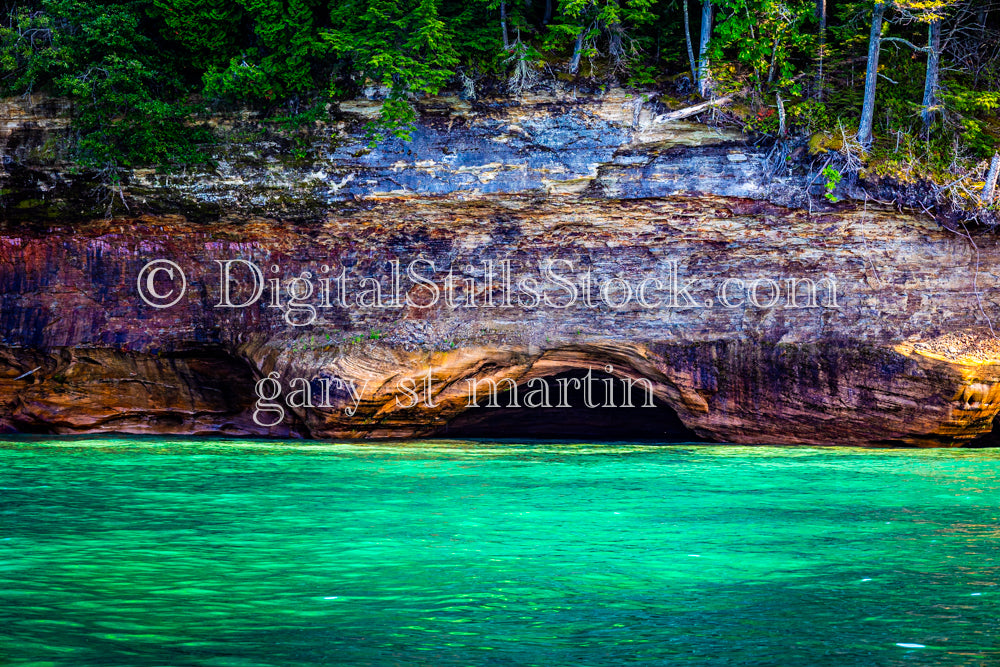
(832, 177)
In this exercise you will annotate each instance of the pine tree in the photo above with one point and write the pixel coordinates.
(402, 46)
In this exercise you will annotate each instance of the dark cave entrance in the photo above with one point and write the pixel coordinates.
(658, 423)
(989, 439)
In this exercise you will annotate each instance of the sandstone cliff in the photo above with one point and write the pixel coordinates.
(778, 317)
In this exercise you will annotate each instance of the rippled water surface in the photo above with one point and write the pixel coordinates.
(162, 552)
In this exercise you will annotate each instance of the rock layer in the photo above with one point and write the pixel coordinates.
(866, 371)
(896, 349)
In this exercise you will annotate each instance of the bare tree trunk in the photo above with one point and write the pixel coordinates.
(616, 44)
(781, 116)
(687, 38)
(574, 63)
(548, 12)
(991, 179)
(706, 34)
(820, 48)
(871, 77)
(774, 58)
(503, 24)
(931, 78)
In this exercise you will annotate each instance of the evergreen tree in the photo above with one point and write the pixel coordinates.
(278, 61)
(400, 46)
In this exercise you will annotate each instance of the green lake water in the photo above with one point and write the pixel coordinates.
(174, 552)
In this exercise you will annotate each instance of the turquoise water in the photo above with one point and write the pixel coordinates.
(160, 552)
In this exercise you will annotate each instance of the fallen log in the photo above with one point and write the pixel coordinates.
(691, 111)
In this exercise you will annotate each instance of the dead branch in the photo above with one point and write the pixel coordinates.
(692, 110)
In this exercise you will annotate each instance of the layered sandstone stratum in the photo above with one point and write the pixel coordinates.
(887, 338)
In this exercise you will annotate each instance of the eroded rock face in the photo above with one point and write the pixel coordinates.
(610, 146)
(862, 367)
(886, 339)
(102, 390)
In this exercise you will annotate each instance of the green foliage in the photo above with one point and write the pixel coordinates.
(205, 30)
(476, 37)
(278, 63)
(642, 76)
(763, 36)
(802, 117)
(240, 81)
(974, 135)
(972, 110)
(124, 126)
(808, 116)
(832, 177)
(402, 46)
(136, 70)
(961, 99)
(99, 56)
(295, 121)
(609, 27)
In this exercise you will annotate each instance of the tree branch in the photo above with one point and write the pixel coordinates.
(910, 44)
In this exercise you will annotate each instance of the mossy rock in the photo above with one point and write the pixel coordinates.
(821, 142)
(671, 103)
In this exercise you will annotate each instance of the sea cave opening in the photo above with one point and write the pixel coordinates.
(624, 411)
